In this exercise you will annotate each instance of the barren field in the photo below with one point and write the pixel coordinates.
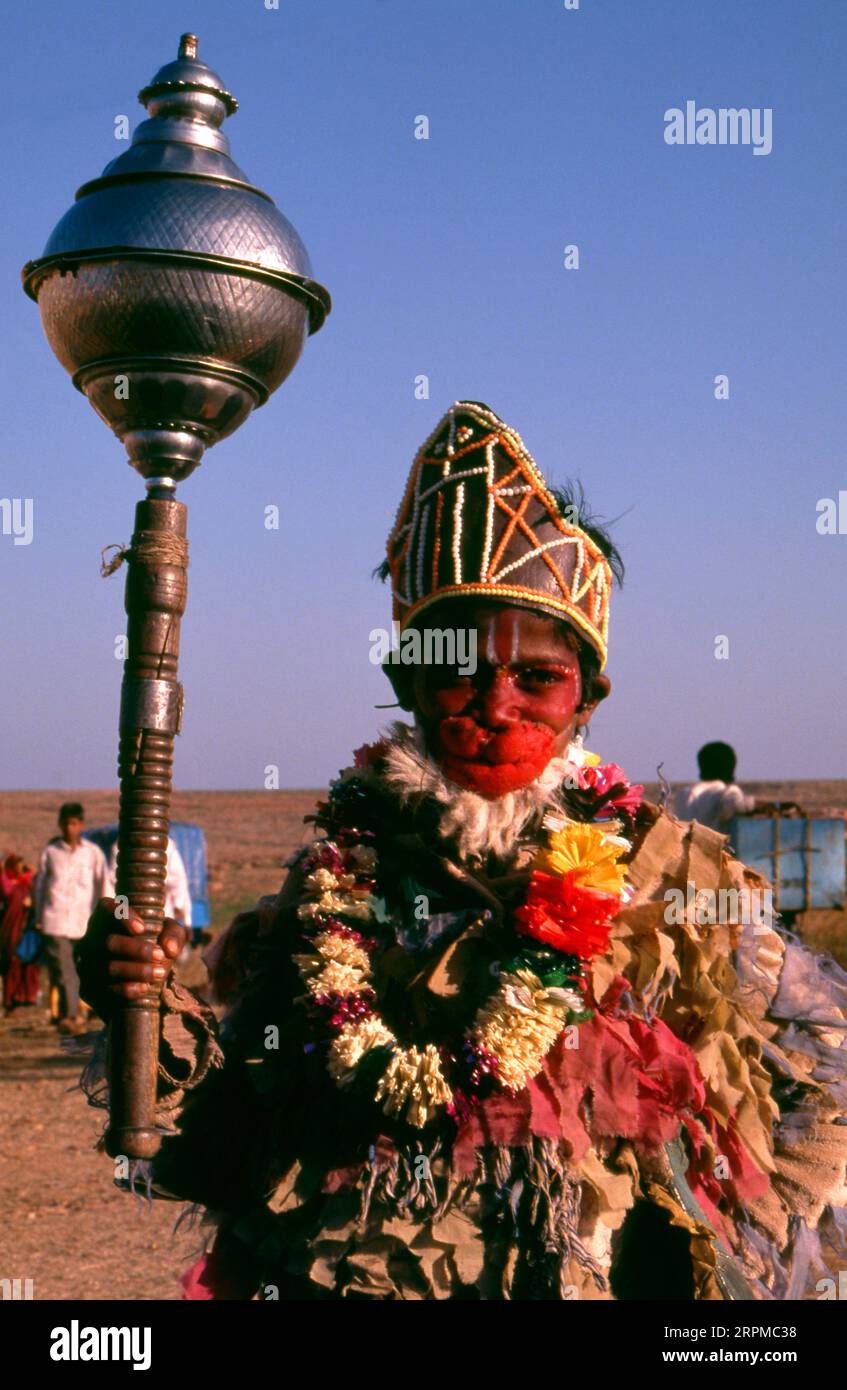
(64, 1225)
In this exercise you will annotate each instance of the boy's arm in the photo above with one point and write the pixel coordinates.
(211, 1098)
(190, 1050)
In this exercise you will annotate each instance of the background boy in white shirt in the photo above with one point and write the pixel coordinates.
(72, 876)
(717, 799)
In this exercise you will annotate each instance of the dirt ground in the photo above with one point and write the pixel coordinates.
(64, 1225)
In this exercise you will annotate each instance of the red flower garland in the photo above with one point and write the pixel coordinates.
(567, 916)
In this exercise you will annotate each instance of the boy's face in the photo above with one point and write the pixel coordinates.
(496, 730)
(71, 828)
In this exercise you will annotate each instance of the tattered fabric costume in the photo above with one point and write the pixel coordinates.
(467, 1050)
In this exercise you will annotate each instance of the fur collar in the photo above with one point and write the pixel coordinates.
(477, 826)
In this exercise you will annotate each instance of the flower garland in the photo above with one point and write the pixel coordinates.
(576, 888)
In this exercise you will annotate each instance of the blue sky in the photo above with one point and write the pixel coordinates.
(445, 257)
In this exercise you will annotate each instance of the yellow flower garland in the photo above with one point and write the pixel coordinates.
(516, 1027)
(588, 853)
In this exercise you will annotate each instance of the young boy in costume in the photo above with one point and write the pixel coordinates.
(473, 1048)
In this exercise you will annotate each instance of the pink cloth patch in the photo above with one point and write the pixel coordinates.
(197, 1282)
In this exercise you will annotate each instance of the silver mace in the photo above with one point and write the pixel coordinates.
(178, 297)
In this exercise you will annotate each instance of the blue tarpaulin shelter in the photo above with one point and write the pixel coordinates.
(802, 856)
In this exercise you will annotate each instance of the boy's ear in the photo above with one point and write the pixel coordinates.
(402, 681)
(600, 688)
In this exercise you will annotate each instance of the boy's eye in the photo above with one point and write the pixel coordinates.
(540, 676)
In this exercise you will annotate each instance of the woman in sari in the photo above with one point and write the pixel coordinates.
(20, 979)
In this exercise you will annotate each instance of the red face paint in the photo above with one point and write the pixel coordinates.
(493, 764)
(495, 729)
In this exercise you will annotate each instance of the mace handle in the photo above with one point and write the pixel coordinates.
(151, 711)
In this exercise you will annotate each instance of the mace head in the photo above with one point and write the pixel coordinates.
(173, 290)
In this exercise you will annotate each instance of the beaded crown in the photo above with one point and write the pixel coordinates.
(478, 519)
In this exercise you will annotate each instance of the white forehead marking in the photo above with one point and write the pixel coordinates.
(491, 654)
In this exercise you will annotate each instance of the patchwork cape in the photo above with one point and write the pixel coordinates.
(690, 1145)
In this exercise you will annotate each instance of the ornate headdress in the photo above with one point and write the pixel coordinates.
(478, 520)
